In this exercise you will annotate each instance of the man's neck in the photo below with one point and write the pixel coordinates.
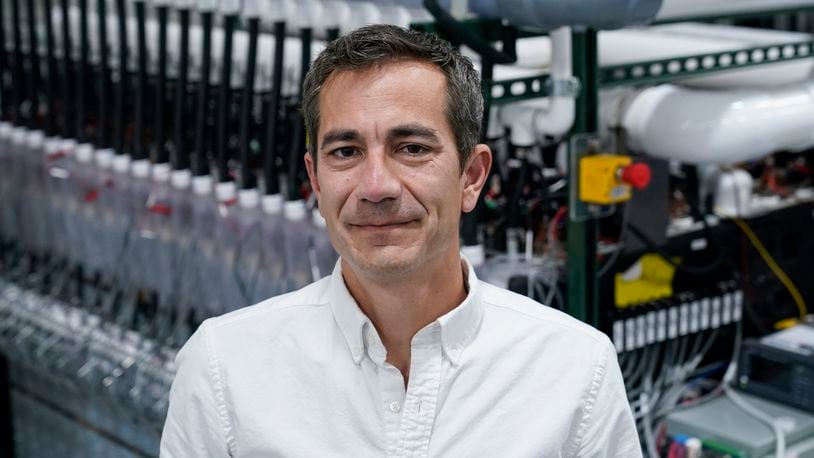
(400, 308)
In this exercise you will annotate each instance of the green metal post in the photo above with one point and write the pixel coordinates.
(582, 285)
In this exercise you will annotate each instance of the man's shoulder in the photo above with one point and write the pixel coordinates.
(278, 309)
(532, 316)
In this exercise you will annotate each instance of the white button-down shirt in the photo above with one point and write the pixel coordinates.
(304, 375)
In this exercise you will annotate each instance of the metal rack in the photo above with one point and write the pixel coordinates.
(582, 284)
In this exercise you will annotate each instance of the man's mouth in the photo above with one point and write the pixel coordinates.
(381, 225)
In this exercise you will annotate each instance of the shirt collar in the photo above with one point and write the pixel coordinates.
(458, 326)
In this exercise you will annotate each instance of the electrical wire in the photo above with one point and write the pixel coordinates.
(746, 406)
(611, 261)
(692, 270)
(775, 268)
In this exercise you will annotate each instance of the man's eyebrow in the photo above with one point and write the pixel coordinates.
(413, 130)
(336, 136)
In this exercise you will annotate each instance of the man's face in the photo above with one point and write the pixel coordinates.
(388, 177)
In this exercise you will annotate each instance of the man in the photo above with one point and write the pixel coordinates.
(402, 351)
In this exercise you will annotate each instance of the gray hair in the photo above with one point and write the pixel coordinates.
(376, 44)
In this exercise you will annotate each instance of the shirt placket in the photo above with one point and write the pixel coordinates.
(418, 409)
(392, 398)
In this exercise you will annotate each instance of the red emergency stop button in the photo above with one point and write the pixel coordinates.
(637, 175)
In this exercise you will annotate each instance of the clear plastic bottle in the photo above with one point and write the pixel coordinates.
(270, 279)
(324, 254)
(298, 242)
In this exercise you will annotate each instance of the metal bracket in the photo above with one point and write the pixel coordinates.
(569, 87)
(665, 70)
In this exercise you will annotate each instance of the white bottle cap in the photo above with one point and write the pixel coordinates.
(181, 179)
(225, 191)
(248, 198)
(161, 172)
(251, 8)
(294, 210)
(68, 145)
(202, 185)
(229, 6)
(141, 168)
(104, 158)
(272, 204)
(5, 129)
(474, 254)
(18, 135)
(51, 145)
(121, 163)
(36, 139)
(207, 5)
(84, 153)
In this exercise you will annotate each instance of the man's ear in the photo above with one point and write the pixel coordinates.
(311, 167)
(475, 173)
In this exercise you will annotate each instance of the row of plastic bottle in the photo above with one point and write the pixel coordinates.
(204, 248)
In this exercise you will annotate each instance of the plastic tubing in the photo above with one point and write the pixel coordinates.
(272, 117)
(201, 164)
(248, 178)
(225, 99)
(182, 160)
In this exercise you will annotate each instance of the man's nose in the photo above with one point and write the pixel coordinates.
(379, 182)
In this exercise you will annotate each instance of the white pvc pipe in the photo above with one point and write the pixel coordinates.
(552, 116)
(703, 126)
(683, 8)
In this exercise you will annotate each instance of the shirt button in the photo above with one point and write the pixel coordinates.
(395, 406)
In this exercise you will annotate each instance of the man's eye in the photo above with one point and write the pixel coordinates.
(344, 152)
(414, 150)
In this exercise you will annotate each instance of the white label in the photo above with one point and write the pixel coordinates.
(737, 308)
(640, 331)
(661, 325)
(726, 313)
(672, 323)
(651, 328)
(684, 319)
(619, 335)
(715, 319)
(695, 316)
(705, 313)
(630, 334)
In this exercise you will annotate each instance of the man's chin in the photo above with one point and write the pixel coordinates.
(385, 263)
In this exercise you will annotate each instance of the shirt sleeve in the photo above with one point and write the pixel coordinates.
(609, 427)
(195, 424)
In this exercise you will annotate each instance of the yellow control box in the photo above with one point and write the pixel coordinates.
(600, 181)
